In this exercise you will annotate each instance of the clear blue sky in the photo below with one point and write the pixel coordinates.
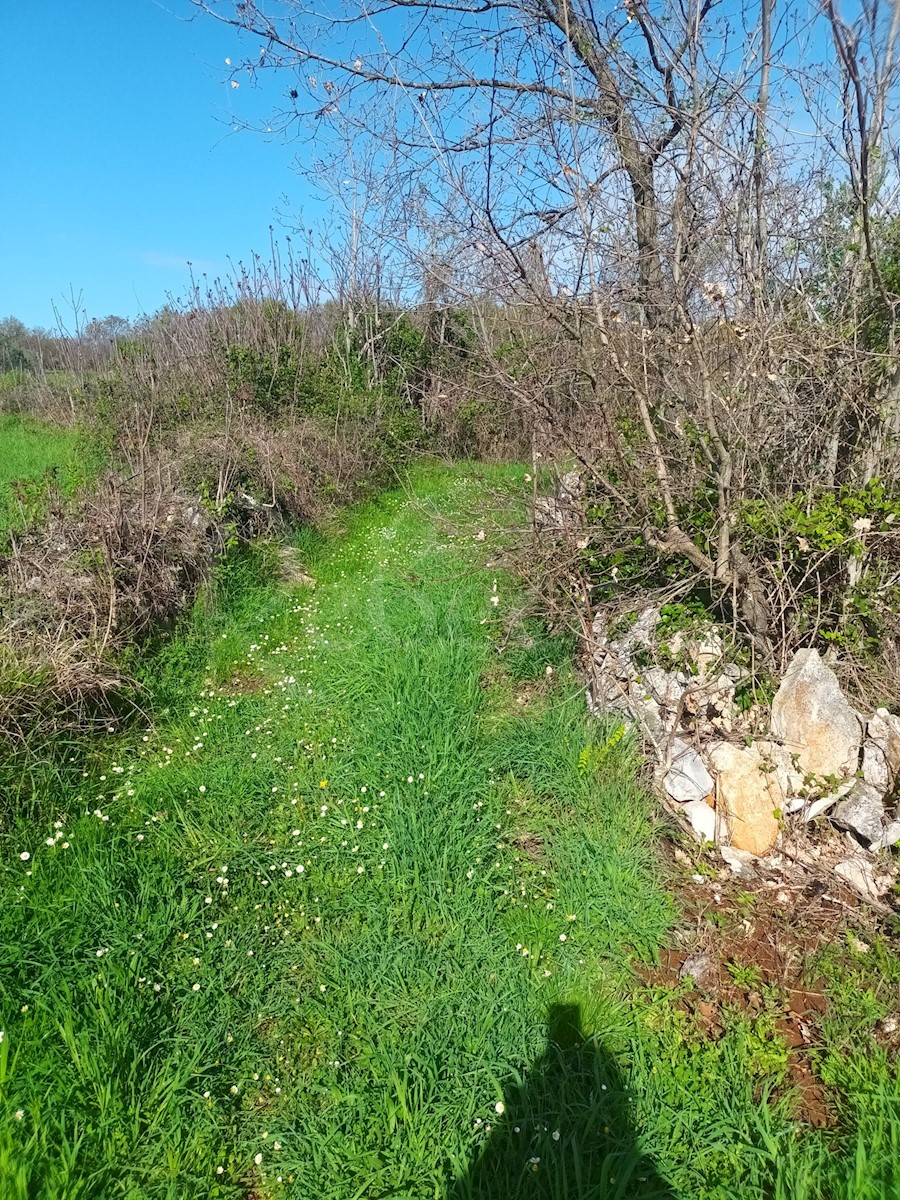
(119, 160)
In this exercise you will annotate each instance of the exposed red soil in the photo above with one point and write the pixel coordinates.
(750, 937)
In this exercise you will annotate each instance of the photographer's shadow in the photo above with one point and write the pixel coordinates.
(566, 1133)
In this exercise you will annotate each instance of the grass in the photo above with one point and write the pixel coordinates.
(32, 455)
(357, 916)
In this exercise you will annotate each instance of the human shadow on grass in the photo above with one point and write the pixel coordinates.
(566, 1132)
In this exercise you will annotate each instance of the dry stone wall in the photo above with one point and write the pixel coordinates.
(739, 776)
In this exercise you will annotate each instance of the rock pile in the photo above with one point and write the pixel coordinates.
(563, 512)
(736, 774)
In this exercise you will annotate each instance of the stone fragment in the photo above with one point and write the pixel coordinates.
(549, 513)
(570, 488)
(687, 777)
(639, 635)
(814, 720)
(862, 812)
(875, 769)
(646, 712)
(859, 873)
(698, 967)
(702, 820)
(664, 686)
(748, 794)
(739, 862)
(721, 694)
(889, 837)
(606, 690)
(884, 730)
(564, 510)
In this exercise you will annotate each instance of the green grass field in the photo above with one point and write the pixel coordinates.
(356, 916)
(31, 453)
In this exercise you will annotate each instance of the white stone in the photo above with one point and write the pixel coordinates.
(708, 652)
(570, 488)
(740, 862)
(722, 693)
(859, 873)
(884, 730)
(862, 812)
(687, 777)
(639, 635)
(814, 720)
(647, 713)
(890, 836)
(664, 686)
(702, 819)
(549, 513)
(815, 808)
(778, 757)
(875, 769)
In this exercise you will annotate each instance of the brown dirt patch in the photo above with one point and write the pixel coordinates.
(530, 844)
(245, 683)
(753, 943)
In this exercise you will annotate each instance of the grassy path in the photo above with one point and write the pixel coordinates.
(355, 918)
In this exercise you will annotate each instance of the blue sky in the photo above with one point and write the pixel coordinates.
(120, 163)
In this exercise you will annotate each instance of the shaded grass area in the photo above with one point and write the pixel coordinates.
(352, 920)
(32, 456)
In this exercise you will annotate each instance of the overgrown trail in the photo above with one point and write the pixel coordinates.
(321, 914)
(355, 918)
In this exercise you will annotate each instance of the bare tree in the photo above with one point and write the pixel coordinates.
(644, 242)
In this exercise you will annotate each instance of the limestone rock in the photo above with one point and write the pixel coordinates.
(721, 694)
(563, 511)
(884, 731)
(687, 777)
(875, 769)
(815, 808)
(814, 720)
(649, 721)
(570, 488)
(639, 635)
(890, 836)
(739, 862)
(749, 794)
(664, 686)
(549, 513)
(606, 689)
(859, 873)
(862, 812)
(702, 820)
